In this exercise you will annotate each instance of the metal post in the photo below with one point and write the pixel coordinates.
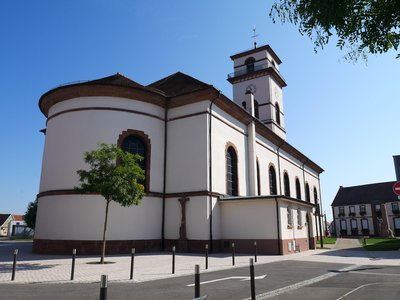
(73, 264)
(173, 259)
(14, 264)
(196, 281)
(252, 284)
(255, 251)
(206, 256)
(233, 254)
(103, 287)
(132, 261)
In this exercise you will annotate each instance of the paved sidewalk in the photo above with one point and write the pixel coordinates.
(343, 243)
(32, 268)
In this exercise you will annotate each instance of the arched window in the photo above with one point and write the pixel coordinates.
(231, 172)
(244, 104)
(256, 111)
(308, 198)
(272, 181)
(286, 184)
(277, 114)
(258, 180)
(298, 190)
(315, 195)
(250, 64)
(135, 145)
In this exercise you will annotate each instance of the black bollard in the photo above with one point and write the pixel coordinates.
(132, 261)
(196, 281)
(233, 254)
(173, 259)
(14, 264)
(103, 287)
(73, 264)
(255, 251)
(252, 285)
(206, 256)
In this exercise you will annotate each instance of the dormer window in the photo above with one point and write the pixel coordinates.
(250, 64)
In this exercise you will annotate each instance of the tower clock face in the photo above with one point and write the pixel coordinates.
(251, 88)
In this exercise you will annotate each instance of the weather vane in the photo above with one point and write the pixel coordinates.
(254, 36)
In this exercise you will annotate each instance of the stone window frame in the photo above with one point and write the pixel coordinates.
(298, 188)
(286, 184)
(236, 179)
(273, 184)
(147, 143)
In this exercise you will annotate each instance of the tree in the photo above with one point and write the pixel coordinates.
(362, 26)
(114, 174)
(30, 214)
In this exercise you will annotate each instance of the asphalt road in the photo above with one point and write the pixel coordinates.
(281, 282)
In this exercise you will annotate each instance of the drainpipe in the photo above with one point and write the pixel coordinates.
(278, 221)
(164, 182)
(210, 170)
(319, 215)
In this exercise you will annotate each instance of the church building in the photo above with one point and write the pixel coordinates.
(218, 171)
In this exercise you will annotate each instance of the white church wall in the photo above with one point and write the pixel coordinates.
(266, 157)
(187, 166)
(124, 223)
(197, 218)
(64, 147)
(172, 218)
(251, 219)
(223, 135)
(188, 109)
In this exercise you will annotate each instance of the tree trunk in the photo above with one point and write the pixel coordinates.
(103, 250)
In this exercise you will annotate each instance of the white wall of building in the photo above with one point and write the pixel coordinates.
(255, 219)
(81, 217)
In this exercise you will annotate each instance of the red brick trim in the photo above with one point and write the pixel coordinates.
(149, 194)
(44, 246)
(264, 246)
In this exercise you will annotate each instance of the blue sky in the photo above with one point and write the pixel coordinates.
(343, 116)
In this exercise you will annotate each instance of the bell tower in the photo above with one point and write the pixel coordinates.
(257, 71)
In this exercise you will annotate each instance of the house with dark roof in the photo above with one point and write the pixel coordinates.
(218, 170)
(370, 209)
(8, 224)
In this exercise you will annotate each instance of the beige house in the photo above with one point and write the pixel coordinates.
(370, 209)
(218, 171)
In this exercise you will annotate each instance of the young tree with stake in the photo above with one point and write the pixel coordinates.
(116, 175)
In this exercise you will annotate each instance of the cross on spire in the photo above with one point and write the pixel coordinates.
(254, 36)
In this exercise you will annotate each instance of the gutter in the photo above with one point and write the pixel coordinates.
(210, 171)
(164, 182)
(279, 167)
(278, 223)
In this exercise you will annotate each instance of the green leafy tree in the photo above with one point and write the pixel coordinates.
(362, 26)
(114, 174)
(30, 214)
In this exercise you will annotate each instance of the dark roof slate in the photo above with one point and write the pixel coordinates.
(3, 218)
(374, 193)
(178, 84)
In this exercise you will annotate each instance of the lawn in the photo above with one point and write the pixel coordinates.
(379, 244)
(328, 241)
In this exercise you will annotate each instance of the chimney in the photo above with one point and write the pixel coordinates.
(396, 159)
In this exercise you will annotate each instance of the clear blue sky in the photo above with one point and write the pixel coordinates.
(343, 116)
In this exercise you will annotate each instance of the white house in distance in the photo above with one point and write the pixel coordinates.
(217, 171)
